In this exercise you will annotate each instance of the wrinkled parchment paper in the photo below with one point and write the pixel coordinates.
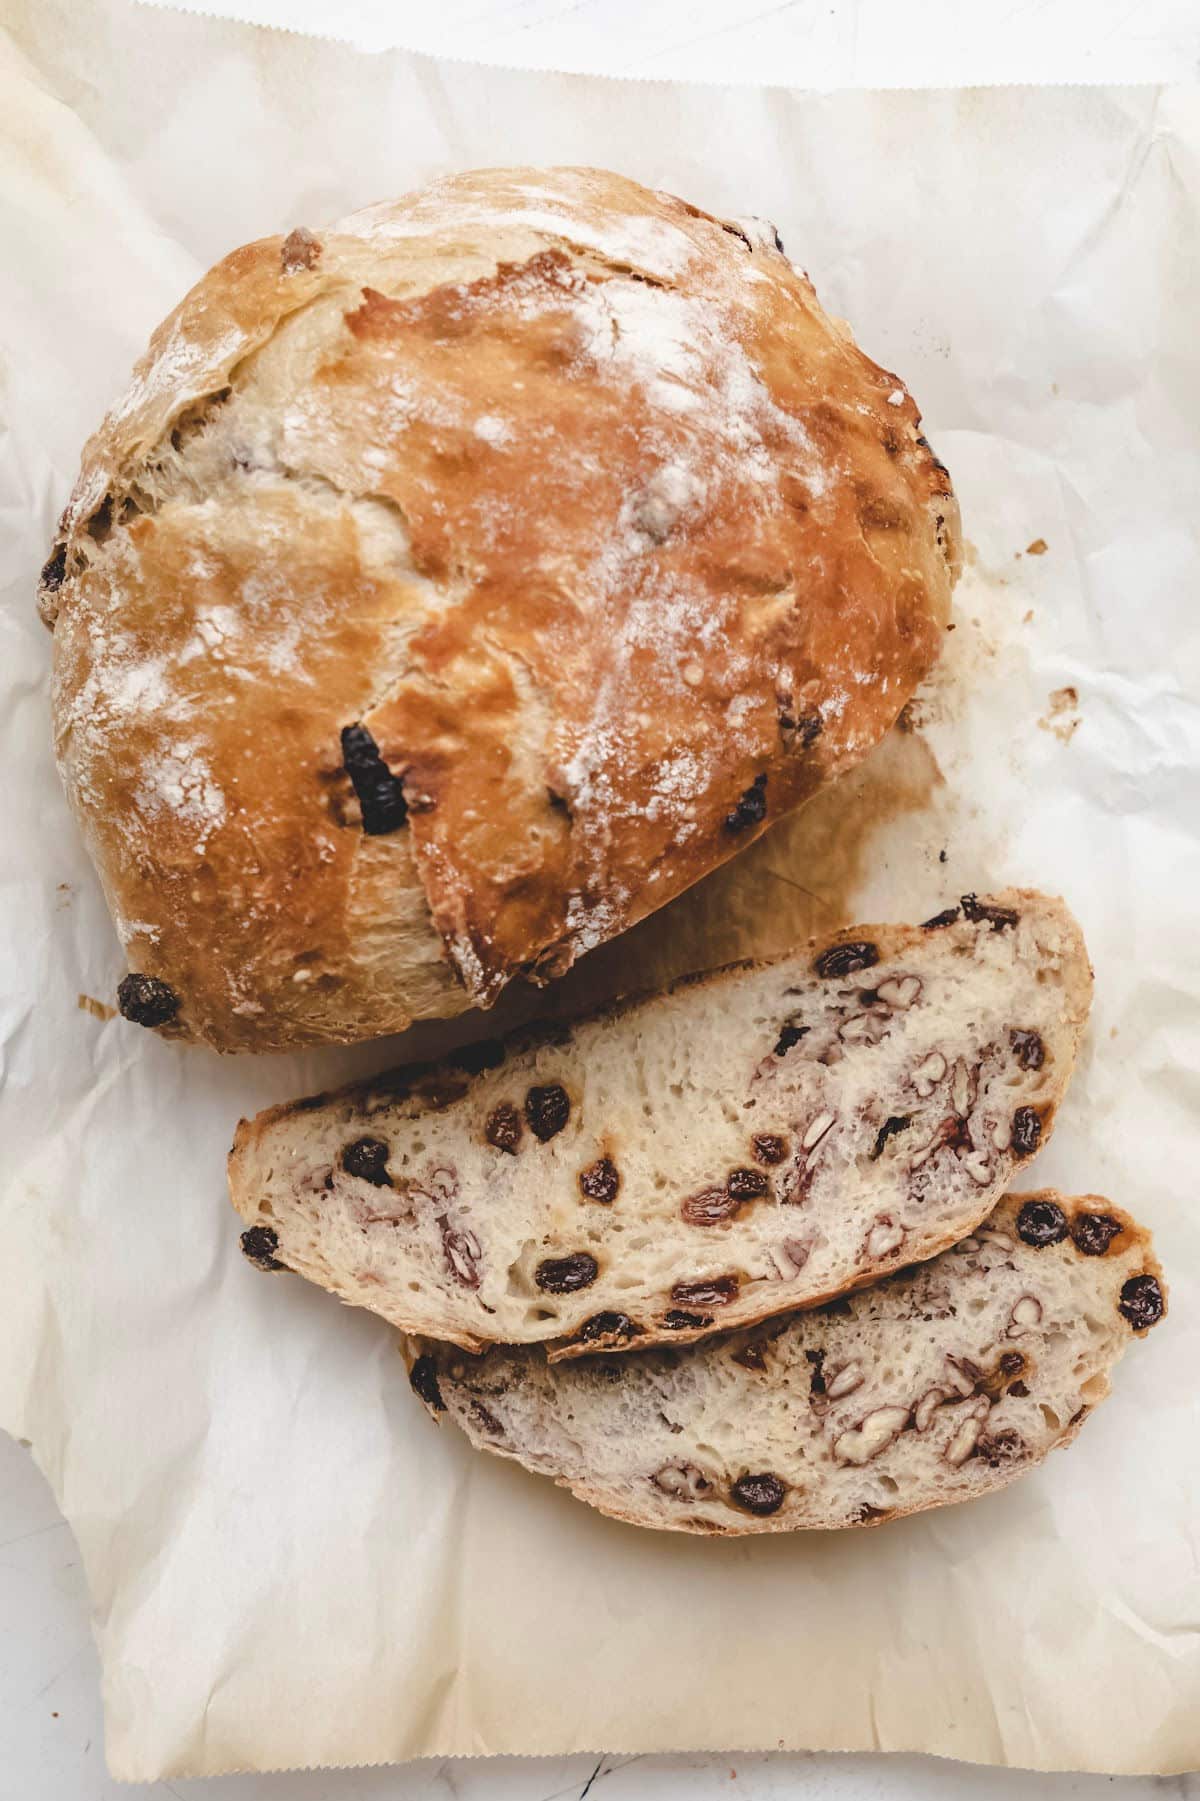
(289, 1563)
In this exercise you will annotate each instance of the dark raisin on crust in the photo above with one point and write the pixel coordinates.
(600, 1181)
(380, 793)
(1092, 1233)
(259, 1245)
(423, 1381)
(710, 1207)
(761, 1494)
(982, 912)
(146, 1001)
(54, 570)
(945, 918)
(845, 959)
(607, 1325)
(675, 1320)
(1028, 1049)
(367, 1159)
(707, 1291)
(788, 1036)
(473, 1059)
(816, 1382)
(502, 1128)
(567, 1275)
(898, 1123)
(996, 1448)
(768, 1147)
(1142, 1302)
(547, 1109)
(746, 1184)
(751, 808)
(1026, 1131)
(751, 1356)
(1040, 1223)
(299, 250)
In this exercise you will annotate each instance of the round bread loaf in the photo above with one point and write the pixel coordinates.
(455, 586)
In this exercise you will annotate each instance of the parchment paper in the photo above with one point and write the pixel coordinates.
(289, 1563)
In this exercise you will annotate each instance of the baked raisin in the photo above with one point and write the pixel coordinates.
(675, 1320)
(260, 1244)
(769, 1148)
(1018, 1389)
(600, 1181)
(146, 1001)
(982, 912)
(547, 1110)
(380, 793)
(1028, 1049)
(1142, 1302)
(502, 1127)
(607, 1325)
(816, 1382)
(1094, 1232)
(997, 1448)
(845, 959)
(761, 1494)
(751, 1356)
(1041, 1223)
(1026, 1131)
(486, 1420)
(707, 1291)
(710, 1207)
(746, 1184)
(751, 808)
(299, 250)
(788, 1036)
(566, 1275)
(889, 1129)
(946, 918)
(367, 1159)
(423, 1381)
(1012, 1363)
(54, 572)
(473, 1059)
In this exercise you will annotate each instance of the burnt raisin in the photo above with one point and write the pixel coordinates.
(845, 959)
(889, 1129)
(1094, 1232)
(380, 793)
(147, 1001)
(502, 1127)
(607, 1325)
(260, 1244)
(788, 1036)
(567, 1275)
(946, 918)
(423, 1381)
(675, 1320)
(547, 1110)
(1142, 1302)
(473, 1059)
(1041, 1223)
(600, 1181)
(708, 1291)
(710, 1207)
(769, 1147)
(751, 1356)
(761, 1494)
(983, 913)
(367, 1159)
(746, 1184)
(1028, 1049)
(54, 572)
(1026, 1131)
(751, 808)
(816, 1382)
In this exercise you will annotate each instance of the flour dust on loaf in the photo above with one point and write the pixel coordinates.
(748, 1142)
(943, 1383)
(457, 585)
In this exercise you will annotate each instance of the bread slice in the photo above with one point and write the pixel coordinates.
(940, 1384)
(747, 1143)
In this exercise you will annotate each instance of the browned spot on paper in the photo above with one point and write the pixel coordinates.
(87, 1003)
(1062, 715)
(1038, 548)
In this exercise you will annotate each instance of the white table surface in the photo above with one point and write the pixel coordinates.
(51, 1727)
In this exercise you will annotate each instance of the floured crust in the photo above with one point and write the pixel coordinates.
(942, 1384)
(753, 1140)
(567, 492)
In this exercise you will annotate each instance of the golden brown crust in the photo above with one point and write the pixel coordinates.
(568, 492)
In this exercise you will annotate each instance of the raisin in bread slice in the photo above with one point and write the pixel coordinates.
(749, 1142)
(942, 1383)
